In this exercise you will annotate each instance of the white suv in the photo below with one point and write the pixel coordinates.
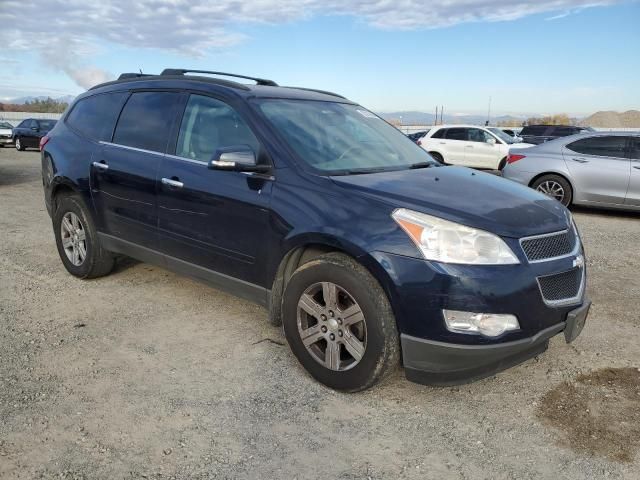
(470, 145)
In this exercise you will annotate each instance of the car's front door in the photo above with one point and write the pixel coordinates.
(599, 168)
(123, 176)
(482, 150)
(31, 137)
(214, 223)
(633, 193)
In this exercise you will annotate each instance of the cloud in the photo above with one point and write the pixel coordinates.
(195, 27)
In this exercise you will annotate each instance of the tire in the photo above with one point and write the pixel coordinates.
(556, 187)
(19, 145)
(502, 163)
(437, 157)
(370, 334)
(70, 217)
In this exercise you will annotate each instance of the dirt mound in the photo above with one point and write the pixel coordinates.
(599, 413)
(609, 119)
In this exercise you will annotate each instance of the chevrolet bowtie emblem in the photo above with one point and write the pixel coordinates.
(578, 262)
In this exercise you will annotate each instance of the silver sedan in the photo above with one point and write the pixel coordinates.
(599, 169)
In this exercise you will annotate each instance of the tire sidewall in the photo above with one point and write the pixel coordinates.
(74, 204)
(353, 282)
(19, 145)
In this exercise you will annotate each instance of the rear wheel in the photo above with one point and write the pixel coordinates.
(502, 163)
(339, 323)
(556, 187)
(437, 157)
(19, 145)
(77, 239)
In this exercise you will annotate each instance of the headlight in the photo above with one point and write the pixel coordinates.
(487, 324)
(444, 241)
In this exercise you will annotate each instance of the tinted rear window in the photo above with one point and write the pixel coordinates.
(146, 119)
(440, 133)
(46, 124)
(563, 131)
(600, 146)
(457, 134)
(533, 130)
(95, 116)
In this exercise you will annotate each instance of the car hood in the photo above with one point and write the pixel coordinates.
(6, 131)
(466, 196)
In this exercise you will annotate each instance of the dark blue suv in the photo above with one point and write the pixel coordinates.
(366, 250)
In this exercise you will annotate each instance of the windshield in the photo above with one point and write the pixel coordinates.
(505, 137)
(338, 138)
(47, 124)
(5, 125)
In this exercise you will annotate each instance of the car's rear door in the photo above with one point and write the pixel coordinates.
(124, 170)
(213, 223)
(633, 193)
(599, 168)
(456, 141)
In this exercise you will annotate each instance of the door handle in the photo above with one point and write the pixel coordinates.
(101, 165)
(443, 143)
(580, 160)
(172, 183)
(637, 167)
(469, 146)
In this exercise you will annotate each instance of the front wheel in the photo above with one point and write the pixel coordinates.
(437, 157)
(339, 324)
(19, 145)
(556, 187)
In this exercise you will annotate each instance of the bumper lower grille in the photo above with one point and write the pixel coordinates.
(562, 287)
(553, 245)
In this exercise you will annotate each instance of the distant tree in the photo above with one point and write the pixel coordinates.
(48, 105)
(558, 119)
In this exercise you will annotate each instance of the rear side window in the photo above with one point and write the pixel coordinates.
(457, 134)
(145, 121)
(563, 131)
(440, 133)
(94, 117)
(635, 148)
(601, 146)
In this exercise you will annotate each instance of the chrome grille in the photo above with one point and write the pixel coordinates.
(562, 287)
(553, 245)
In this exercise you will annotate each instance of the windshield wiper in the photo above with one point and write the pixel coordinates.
(423, 165)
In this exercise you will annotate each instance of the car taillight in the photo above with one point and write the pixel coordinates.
(43, 141)
(513, 158)
(418, 142)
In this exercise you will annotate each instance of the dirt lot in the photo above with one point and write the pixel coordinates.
(145, 374)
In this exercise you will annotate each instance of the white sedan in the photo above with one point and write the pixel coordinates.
(470, 145)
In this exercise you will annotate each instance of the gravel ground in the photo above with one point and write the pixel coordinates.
(146, 374)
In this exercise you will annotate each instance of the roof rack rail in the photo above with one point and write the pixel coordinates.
(326, 92)
(182, 71)
(124, 76)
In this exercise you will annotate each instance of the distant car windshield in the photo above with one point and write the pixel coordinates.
(505, 137)
(339, 138)
(5, 125)
(47, 124)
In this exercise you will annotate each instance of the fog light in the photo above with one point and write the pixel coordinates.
(487, 324)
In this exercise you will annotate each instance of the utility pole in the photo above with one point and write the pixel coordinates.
(489, 112)
(441, 114)
(435, 121)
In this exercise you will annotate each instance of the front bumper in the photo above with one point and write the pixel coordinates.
(438, 363)
(6, 141)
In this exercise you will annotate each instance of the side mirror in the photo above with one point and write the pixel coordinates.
(237, 158)
(491, 141)
(35, 129)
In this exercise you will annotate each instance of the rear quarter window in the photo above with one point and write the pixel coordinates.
(94, 117)
(533, 130)
(605, 146)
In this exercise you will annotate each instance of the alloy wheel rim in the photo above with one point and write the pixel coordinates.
(332, 326)
(18, 144)
(74, 238)
(552, 189)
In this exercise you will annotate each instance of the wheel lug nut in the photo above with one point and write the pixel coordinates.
(323, 317)
(340, 333)
(324, 329)
(331, 314)
(339, 321)
(332, 336)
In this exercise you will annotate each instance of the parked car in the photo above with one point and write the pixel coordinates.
(537, 134)
(363, 247)
(512, 132)
(29, 132)
(500, 132)
(596, 169)
(5, 134)
(416, 136)
(469, 145)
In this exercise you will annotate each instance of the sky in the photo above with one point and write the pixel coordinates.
(529, 56)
